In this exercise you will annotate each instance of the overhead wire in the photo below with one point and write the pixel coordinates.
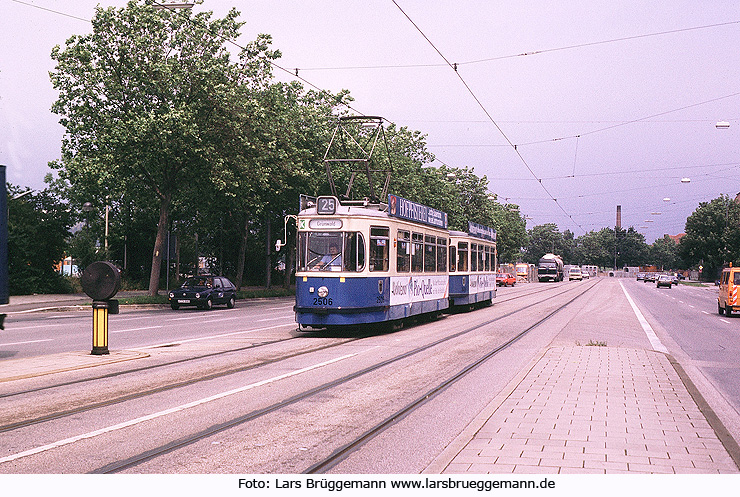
(485, 111)
(525, 54)
(454, 66)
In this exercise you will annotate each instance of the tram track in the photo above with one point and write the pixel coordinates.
(341, 453)
(137, 395)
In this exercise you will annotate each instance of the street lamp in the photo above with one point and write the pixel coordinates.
(22, 194)
(722, 125)
(173, 5)
(87, 208)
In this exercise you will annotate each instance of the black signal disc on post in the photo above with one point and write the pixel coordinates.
(101, 280)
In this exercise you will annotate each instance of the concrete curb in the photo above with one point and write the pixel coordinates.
(438, 465)
(58, 363)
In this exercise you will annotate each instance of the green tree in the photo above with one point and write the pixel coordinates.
(664, 253)
(146, 101)
(631, 248)
(712, 236)
(596, 248)
(543, 239)
(38, 227)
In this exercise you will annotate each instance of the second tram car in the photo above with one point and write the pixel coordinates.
(472, 266)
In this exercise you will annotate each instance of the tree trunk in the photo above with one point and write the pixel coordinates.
(159, 244)
(268, 263)
(242, 254)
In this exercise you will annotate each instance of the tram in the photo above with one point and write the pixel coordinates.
(360, 262)
(472, 266)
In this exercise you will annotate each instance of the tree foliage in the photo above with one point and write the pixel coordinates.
(38, 227)
(712, 236)
(147, 100)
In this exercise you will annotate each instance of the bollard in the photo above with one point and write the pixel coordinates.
(100, 281)
(100, 328)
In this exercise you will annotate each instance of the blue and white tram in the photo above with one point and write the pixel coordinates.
(360, 263)
(473, 266)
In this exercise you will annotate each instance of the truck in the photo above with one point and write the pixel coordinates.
(550, 268)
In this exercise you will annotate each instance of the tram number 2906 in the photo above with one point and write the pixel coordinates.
(321, 301)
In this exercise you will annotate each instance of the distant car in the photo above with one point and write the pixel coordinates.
(505, 279)
(650, 277)
(585, 274)
(640, 276)
(574, 273)
(664, 280)
(204, 292)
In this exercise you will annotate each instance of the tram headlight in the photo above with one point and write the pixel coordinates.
(197, 295)
(323, 291)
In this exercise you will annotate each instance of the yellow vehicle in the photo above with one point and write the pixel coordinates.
(729, 286)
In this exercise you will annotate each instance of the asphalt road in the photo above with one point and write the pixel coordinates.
(209, 372)
(695, 333)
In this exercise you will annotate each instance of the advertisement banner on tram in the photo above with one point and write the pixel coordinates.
(411, 211)
(408, 289)
(481, 283)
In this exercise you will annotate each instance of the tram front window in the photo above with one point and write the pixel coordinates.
(331, 251)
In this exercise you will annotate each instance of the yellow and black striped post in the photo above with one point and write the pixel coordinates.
(100, 327)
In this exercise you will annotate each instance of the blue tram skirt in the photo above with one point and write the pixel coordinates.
(352, 301)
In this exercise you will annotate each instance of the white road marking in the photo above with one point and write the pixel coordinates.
(14, 328)
(654, 340)
(21, 343)
(137, 329)
(149, 417)
(724, 321)
(177, 342)
(705, 312)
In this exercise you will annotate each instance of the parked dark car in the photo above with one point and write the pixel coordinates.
(204, 292)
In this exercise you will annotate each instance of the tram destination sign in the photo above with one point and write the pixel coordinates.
(480, 231)
(406, 209)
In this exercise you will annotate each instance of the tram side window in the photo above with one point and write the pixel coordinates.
(403, 252)
(441, 254)
(488, 258)
(453, 258)
(354, 251)
(417, 252)
(379, 248)
(462, 256)
(481, 258)
(473, 256)
(430, 254)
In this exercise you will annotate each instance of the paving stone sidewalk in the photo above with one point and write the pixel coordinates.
(594, 410)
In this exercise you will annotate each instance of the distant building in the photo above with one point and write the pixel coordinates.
(676, 238)
(68, 267)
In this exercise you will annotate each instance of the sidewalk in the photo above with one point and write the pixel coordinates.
(591, 410)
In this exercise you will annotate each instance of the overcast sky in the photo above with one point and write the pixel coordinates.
(608, 103)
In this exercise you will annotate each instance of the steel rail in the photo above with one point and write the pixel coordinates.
(138, 459)
(342, 453)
